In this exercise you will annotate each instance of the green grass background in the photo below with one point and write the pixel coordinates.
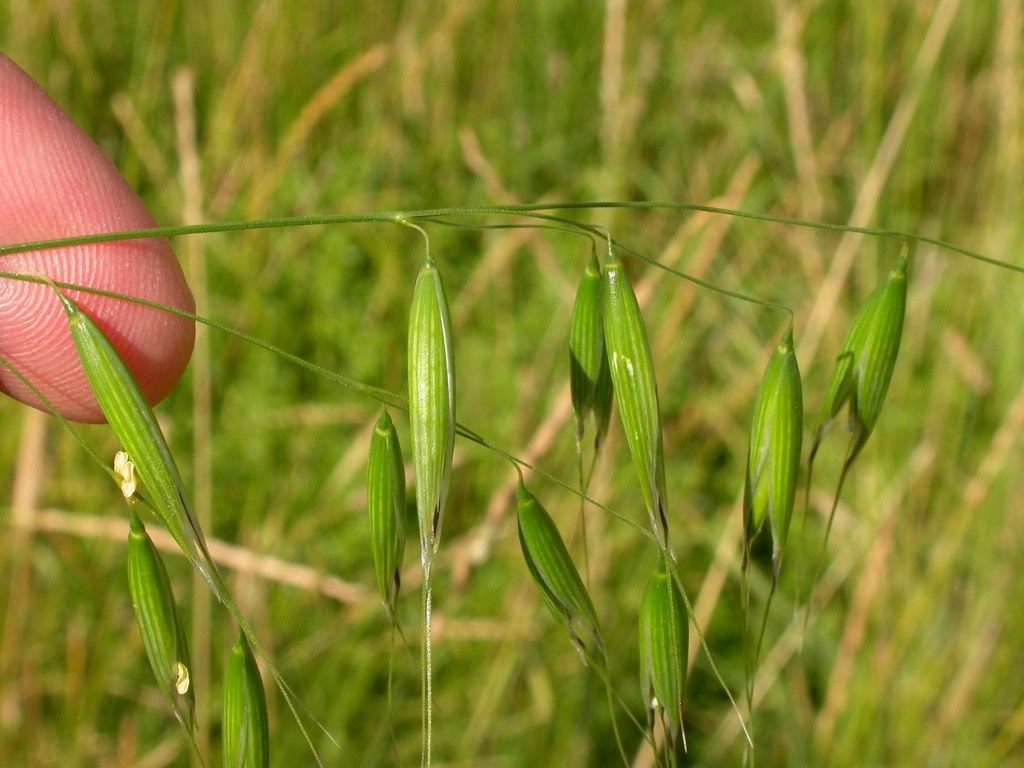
(900, 114)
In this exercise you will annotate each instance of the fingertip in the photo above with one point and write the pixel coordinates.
(57, 183)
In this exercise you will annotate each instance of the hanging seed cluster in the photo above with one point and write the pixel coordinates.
(662, 623)
(146, 458)
(610, 360)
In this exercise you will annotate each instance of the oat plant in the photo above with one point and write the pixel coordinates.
(148, 458)
(607, 333)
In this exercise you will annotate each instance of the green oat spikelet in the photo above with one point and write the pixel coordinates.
(664, 639)
(589, 376)
(134, 424)
(861, 378)
(769, 490)
(866, 360)
(636, 392)
(159, 624)
(552, 569)
(432, 421)
(431, 403)
(563, 590)
(863, 370)
(385, 497)
(773, 458)
(132, 421)
(246, 740)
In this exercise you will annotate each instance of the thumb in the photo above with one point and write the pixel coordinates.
(55, 182)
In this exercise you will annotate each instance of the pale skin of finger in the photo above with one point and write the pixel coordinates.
(55, 182)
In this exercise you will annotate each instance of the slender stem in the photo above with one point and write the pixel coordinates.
(427, 670)
(801, 567)
(600, 665)
(748, 663)
(390, 699)
(711, 659)
(530, 211)
(855, 446)
(611, 714)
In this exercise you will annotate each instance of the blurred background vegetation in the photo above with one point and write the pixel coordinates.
(902, 115)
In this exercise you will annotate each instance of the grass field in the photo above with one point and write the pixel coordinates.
(901, 115)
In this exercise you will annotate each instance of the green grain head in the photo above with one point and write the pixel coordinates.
(162, 633)
(867, 357)
(589, 376)
(431, 403)
(135, 426)
(560, 584)
(664, 638)
(773, 458)
(385, 495)
(636, 392)
(246, 740)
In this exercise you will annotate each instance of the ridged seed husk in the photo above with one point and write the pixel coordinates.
(636, 392)
(552, 569)
(385, 481)
(664, 637)
(246, 739)
(867, 357)
(776, 436)
(159, 624)
(135, 426)
(589, 376)
(431, 404)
